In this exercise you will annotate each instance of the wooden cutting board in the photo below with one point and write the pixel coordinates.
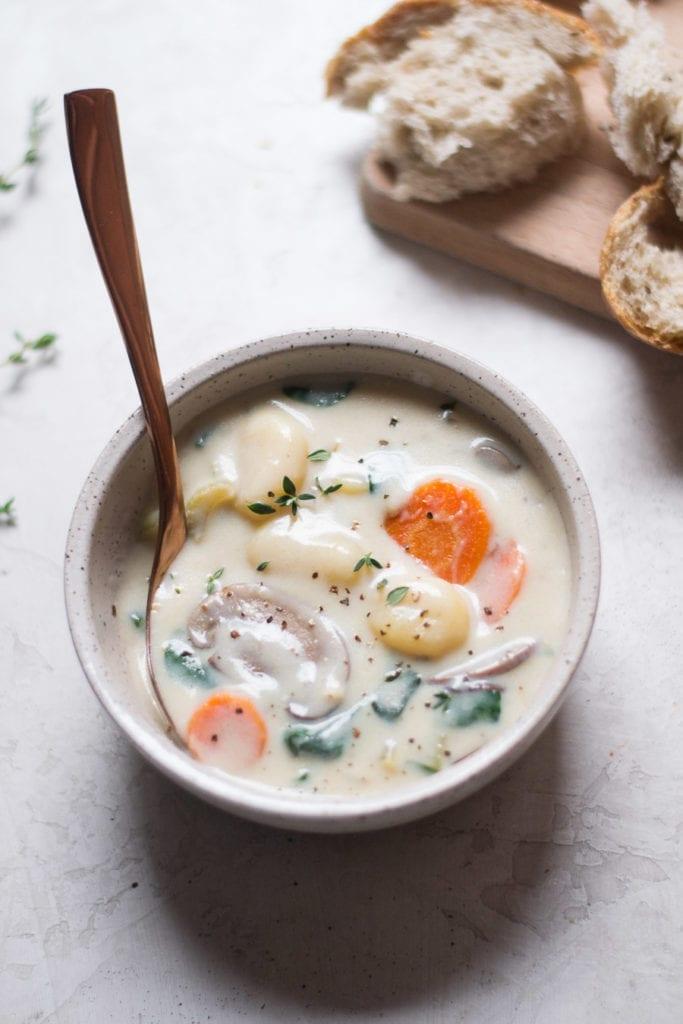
(546, 234)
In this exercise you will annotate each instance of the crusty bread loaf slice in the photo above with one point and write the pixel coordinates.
(646, 92)
(641, 268)
(470, 95)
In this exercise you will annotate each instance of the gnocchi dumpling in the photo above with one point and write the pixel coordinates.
(350, 473)
(206, 501)
(311, 542)
(421, 617)
(270, 445)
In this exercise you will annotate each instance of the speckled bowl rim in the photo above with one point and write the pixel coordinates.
(329, 813)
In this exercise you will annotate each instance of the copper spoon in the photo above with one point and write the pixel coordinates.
(97, 158)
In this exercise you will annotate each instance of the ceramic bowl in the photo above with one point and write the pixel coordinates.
(109, 507)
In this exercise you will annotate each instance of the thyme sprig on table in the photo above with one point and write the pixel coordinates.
(8, 513)
(289, 498)
(26, 345)
(36, 130)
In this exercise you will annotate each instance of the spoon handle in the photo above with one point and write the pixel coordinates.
(97, 158)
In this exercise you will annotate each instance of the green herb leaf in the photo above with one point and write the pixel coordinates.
(393, 695)
(262, 566)
(39, 344)
(428, 768)
(372, 486)
(465, 707)
(327, 739)
(8, 513)
(36, 130)
(320, 397)
(137, 618)
(260, 509)
(290, 498)
(396, 595)
(44, 341)
(367, 560)
(319, 455)
(212, 579)
(183, 662)
(328, 490)
(382, 584)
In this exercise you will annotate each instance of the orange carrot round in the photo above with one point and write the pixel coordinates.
(500, 580)
(445, 527)
(227, 731)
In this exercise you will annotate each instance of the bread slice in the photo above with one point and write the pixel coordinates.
(470, 95)
(641, 268)
(646, 92)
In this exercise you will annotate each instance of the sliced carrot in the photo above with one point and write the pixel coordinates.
(500, 579)
(227, 731)
(444, 526)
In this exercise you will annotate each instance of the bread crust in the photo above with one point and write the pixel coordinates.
(408, 18)
(646, 197)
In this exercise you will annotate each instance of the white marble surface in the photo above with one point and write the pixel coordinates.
(552, 897)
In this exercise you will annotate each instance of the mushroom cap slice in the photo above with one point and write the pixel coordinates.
(263, 637)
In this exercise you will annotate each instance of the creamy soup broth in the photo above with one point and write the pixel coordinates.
(297, 650)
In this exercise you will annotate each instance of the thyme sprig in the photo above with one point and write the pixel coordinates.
(289, 498)
(8, 513)
(37, 127)
(26, 345)
(212, 580)
(327, 490)
(367, 560)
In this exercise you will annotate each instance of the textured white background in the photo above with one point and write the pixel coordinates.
(552, 897)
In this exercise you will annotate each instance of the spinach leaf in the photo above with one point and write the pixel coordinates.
(466, 707)
(394, 693)
(204, 435)
(183, 663)
(321, 397)
(324, 739)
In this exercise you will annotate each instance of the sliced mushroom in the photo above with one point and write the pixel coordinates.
(265, 638)
(496, 454)
(490, 663)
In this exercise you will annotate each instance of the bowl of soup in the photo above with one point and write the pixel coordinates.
(391, 573)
